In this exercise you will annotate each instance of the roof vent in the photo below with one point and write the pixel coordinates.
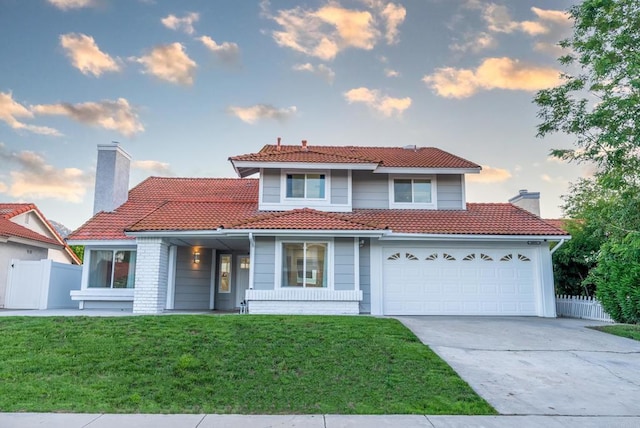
(304, 145)
(278, 148)
(411, 147)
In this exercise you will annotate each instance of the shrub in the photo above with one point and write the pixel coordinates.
(617, 278)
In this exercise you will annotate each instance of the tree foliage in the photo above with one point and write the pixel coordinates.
(598, 104)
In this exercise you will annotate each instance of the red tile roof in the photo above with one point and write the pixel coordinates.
(154, 192)
(307, 219)
(9, 228)
(420, 157)
(195, 215)
(478, 219)
(179, 204)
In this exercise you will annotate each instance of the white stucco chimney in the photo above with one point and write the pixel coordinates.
(529, 201)
(112, 177)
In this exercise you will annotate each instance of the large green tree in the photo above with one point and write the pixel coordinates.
(598, 104)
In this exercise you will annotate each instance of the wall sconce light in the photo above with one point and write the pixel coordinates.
(196, 257)
(361, 243)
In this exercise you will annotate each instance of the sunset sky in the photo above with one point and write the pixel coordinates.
(183, 85)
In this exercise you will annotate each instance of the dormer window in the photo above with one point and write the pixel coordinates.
(412, 192)
(306, 186)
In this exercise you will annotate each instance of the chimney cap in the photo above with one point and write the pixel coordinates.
(113, 146)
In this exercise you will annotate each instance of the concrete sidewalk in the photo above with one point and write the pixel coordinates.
(82, 420)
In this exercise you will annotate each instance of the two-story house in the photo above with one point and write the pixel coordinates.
(322, 230)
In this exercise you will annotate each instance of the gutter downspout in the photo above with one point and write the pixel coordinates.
(252, 252)
(553, 250)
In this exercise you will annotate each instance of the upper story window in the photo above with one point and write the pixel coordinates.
(306, 186)
(412, 192)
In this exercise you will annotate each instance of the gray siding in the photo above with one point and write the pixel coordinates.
(339, 187)
(370, 190)
(365, 277)
(264, 263)
(193, 281)
(344, 261)
(450, 192)
(270, 185)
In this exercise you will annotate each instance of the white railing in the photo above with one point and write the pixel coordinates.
(584, 307)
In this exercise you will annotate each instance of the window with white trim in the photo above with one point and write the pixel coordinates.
(112, 269)
(306, 185)
(305, 264)
(412, 192)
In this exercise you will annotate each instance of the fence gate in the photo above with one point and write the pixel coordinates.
(41, 284)
(24, 287)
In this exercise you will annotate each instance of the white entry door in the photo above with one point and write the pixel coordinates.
(455, 281)
(242, 278)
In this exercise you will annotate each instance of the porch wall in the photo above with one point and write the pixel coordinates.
(193, 281)
(264, 263)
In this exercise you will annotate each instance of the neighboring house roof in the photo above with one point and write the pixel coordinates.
(379, 157)
(10, 229)
(559, 223)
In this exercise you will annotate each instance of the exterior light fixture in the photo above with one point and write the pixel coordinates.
(196, 257)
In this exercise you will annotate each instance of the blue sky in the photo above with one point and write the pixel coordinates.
(183, 85)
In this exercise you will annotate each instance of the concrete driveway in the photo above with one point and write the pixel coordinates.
(538, 366)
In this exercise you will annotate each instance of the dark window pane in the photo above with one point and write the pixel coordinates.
(402, 190)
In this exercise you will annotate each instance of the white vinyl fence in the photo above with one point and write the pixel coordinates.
(584, 307)
(42, 284)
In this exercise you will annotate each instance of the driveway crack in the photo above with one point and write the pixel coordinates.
(606, 368)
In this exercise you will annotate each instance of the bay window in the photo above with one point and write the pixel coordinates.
(112, 268)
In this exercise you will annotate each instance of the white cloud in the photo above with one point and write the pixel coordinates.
(170, 63)
(383, 104)
(86, 56)
(391, 73)
(320, 70)
(325, 32)
(547, 26)
(3, 187)
(227, 52)
(154, 167)
(499, 20)
(34, 178)
(254, 113)
(115, 115)
(474, 42)
(489, 174)
(11, 111)
(558, 17)
(492, 73)
(181, 24)
(72, 4)
(393, 15)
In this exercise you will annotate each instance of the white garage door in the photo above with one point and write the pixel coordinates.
(422, 281)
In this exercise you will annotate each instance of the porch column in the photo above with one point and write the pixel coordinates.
(150, 294)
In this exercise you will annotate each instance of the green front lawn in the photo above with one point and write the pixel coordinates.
(631, 331)
(225, 364)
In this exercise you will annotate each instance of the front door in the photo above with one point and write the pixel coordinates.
(242, 278)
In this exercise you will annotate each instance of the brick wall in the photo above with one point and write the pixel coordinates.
(150, 295)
